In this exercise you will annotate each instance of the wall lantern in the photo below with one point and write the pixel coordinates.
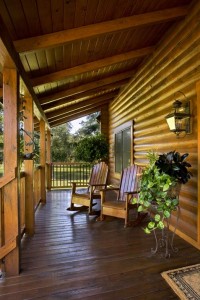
(179, 120)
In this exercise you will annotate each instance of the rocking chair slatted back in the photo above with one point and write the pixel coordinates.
(99, 174)
(129, 181)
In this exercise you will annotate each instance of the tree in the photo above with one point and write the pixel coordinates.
(62, 143)
(92, 148)
(90, 126)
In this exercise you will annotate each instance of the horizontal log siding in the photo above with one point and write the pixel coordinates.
(104, 120)
(147, 99)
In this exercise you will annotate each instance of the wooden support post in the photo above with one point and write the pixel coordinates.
(42, 160)
(11, 164)
(48, 159)
(48, 146)
(29, 167)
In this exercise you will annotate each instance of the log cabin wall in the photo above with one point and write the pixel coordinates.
(104, 120)
(147, 99)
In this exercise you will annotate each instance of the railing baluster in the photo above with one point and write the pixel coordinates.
(61, 175)
(81, 175)
(67, 178)
(59, 167)
(53, 175)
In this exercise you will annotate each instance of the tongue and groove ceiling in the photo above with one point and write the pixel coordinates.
(78, 54)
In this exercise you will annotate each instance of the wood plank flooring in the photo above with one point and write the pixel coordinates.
(72, 256)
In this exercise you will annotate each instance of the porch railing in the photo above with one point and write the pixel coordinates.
(63, 174)
(37, 186)
(36, 192)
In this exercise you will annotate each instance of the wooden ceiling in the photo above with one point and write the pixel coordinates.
(76, 55)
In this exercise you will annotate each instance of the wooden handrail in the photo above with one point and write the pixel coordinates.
(69, 163)
(7, 178)
(10, 245)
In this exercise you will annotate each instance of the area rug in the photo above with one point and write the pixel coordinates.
(184, 281)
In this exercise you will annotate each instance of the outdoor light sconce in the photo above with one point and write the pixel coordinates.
(179, 120)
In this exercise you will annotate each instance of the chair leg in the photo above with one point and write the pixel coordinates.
(90, 207)
(71, 207)
(101, 217)
(126, 219)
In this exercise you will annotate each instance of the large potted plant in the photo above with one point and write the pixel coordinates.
(160, 185)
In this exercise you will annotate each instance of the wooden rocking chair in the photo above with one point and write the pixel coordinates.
(98, 180)
(120, 206)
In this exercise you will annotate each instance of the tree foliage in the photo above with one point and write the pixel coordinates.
(92, 148)
(61, 148)
(90, 126)
(64, 143)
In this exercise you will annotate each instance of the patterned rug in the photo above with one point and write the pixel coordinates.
(184, 281)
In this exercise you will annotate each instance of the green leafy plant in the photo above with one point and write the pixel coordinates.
(92, 148)
(159, 184)
(175, 165)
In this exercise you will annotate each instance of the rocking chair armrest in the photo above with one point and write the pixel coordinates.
(98, 184)
(129, 198)
(96, 187)
(74, 187)
(111, 188)
(130, 193)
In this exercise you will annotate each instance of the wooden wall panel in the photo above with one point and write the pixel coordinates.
(148, 98)
(104, 120)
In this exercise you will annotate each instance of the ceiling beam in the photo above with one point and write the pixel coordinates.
(79, 110)
(88, 67)
(94, 30)
(85, 87)
(78, 106)
(106, 89)
(75, 116)
(81, 104)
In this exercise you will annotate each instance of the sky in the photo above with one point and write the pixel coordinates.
(76, 124)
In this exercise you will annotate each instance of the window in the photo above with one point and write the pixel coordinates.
(123, 148)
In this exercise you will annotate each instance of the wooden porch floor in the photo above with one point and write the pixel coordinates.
(72, 256)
